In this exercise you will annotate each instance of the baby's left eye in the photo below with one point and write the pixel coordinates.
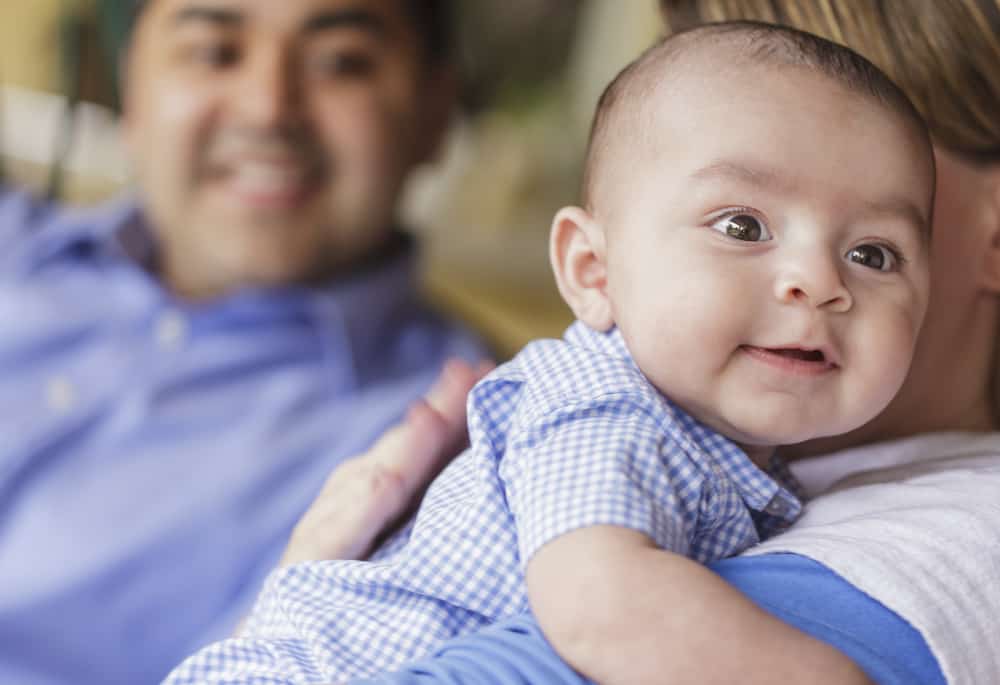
(879, 257)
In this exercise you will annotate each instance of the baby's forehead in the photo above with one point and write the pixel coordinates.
(696, 62)
(668, 96)
(750, 127)
(711, 69)
(669, 102)
(734, 77)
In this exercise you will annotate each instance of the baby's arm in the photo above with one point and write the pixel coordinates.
(620, 610)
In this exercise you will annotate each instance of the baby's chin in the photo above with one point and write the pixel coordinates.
(763, 426)
(787, 440)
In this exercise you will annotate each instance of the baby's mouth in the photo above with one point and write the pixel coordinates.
(795, 353)
(794, 359)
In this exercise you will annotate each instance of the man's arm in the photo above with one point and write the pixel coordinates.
(620, 610)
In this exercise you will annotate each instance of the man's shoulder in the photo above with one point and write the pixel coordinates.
(20, 213)
(33, 227)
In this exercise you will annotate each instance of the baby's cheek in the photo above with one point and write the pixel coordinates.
(683, 353)
(882, 356)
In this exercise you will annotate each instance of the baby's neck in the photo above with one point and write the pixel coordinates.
(759, 454)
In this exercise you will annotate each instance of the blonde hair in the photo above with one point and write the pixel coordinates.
(945, 54)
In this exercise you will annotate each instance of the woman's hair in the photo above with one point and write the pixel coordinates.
(945, 54)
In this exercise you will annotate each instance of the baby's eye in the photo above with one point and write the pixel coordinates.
(879, 257)
(742, 227)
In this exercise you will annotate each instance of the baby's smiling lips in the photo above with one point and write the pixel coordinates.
(793, 359)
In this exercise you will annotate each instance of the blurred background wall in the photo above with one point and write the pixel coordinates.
(533, 70)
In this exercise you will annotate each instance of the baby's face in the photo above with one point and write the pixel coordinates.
(768, 254)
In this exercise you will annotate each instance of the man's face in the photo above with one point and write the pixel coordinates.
(271, 138)
(767, 258)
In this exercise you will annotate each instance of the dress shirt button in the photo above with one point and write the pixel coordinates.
(60, 394)
(171, 329)
(776, 507)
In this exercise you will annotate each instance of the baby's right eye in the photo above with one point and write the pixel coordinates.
(742, 226)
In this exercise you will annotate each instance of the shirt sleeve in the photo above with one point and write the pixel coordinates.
(605, 460)
(513, 652)
(269, 649)
(249, 662)
(809, 596)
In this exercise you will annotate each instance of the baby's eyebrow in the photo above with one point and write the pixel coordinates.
(751, 174)
(764, 177)
(903, 208)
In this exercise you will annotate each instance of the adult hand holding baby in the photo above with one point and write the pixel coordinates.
(361, 498)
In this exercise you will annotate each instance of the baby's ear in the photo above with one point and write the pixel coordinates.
(577, 253)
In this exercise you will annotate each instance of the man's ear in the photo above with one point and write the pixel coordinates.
(990, 271)
(579, 262)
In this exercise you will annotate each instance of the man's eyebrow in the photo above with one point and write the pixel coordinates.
(220, 16)
(351, 17)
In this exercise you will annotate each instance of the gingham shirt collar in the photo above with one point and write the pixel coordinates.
(775, 492)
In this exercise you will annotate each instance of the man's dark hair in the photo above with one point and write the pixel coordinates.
(432, 20)
(753, 43)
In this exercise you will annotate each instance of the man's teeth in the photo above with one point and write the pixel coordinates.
(268, 178)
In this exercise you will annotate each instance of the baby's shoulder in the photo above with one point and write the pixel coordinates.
(572, 374)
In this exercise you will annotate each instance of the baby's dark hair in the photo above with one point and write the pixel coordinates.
(750, 42)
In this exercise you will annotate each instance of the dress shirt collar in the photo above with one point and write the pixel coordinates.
(354, 312)
(78, 232)
(775, 490)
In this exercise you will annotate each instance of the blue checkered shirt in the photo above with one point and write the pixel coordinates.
(569, 434)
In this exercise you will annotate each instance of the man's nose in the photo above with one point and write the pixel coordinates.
(814, 280)
(270, 91)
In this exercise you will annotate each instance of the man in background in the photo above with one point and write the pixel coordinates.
(182, 370)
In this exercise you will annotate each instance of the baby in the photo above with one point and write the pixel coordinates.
(749, 268)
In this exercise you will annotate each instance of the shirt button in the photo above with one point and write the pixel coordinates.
(60, 394)
(171, 330)
(776, 507)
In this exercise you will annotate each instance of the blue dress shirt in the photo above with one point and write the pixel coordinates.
(155, 454)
